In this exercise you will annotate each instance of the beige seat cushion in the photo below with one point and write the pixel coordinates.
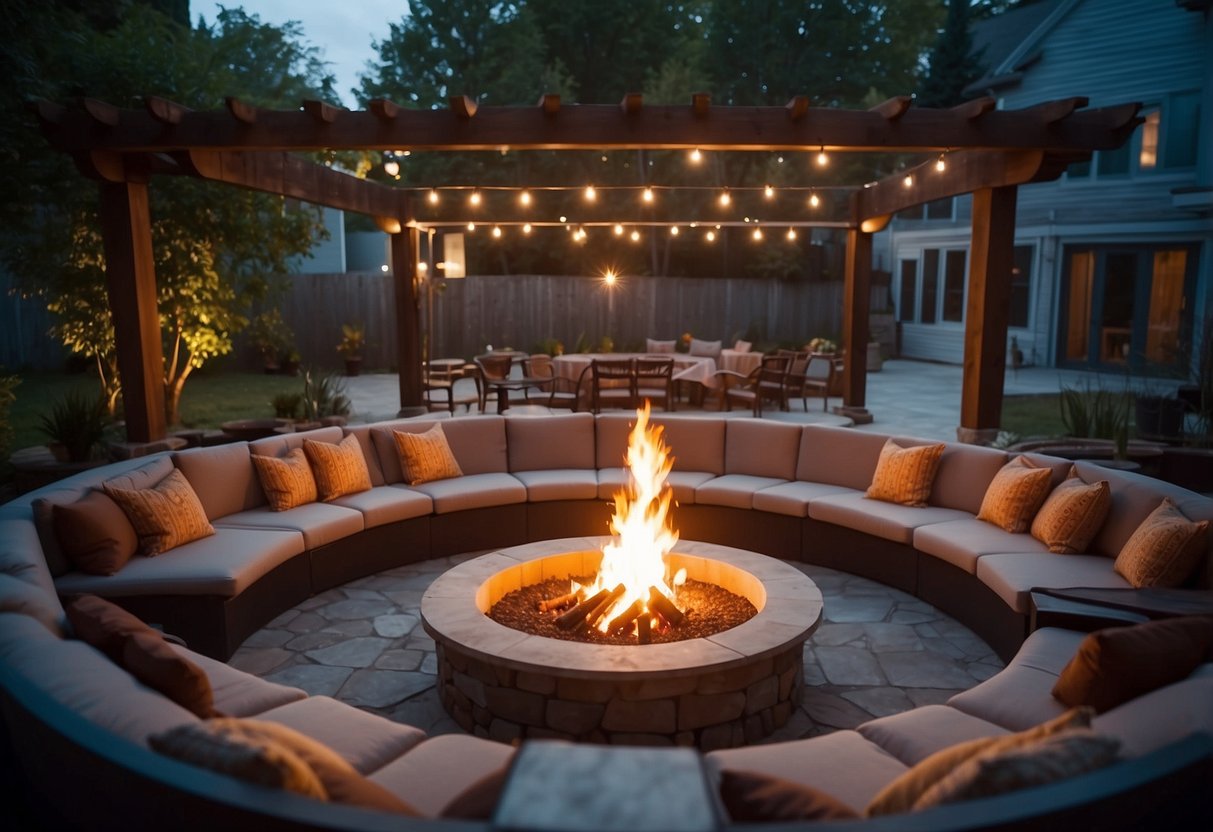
(425, 457)
(793, 498)
(439, 769)
(474, 491)
(339, 469)
(559, 484)
(683, 483)
(905, 475)
(891, 521)
(1166, 549)
(735, 490)
(238, 693)
(1013, 576)
(319, 523)
(287, 482)
(387, 504)
(366, 741)
(914, 735)
(165, 516)
(1014, 496)
(1072, 515)
(1163, 716)
(962, 542)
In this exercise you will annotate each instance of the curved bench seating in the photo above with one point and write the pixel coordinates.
(789, 491)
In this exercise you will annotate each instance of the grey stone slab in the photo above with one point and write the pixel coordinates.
(306, 622)
(316, 679)
(924, 670)
(357, 593)
(283, 619)
(382, 688)
(901, 616)
(351, 629)
(354, 652)
(930, 696)
(395, 625)
(268, 638)
(422, 710)
(405, 598)
(831, 634)
(943, 647)
(313, 641)
(879, 701)
(400, 659)
(353, 608)
(843, 610)
(260, 660)
(849, 666)
(883, 637)
(832, 710)
(429, 664)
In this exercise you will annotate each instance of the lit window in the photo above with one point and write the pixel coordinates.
(1147, 159)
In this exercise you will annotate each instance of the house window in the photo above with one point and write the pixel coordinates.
(954, 286)
(1147, 157)
(940, 209)
(1180, 130)
(1113, 162)
(930, 285)
(1021, 287)
(908, 290)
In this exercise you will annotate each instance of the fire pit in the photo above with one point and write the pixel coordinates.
(724, 689)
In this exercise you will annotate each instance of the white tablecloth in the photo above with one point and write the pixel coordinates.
(740, 362)
(696, 368)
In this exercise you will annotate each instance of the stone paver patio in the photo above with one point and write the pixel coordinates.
(877, 652)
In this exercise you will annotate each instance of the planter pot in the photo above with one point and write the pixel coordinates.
(1159, 416)
(353, 366)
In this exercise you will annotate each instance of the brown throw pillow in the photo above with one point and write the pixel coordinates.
(1117, 664)
(142, 652)
(165, 516)
(287, 482)
(94, 534)
(1048, 760)
(274, 755)
(339, 469)
(1015, 495)
(904, 475)
(1072, 515)
(901, 794)
(425, 457)
(753, 797)
(1166, 549)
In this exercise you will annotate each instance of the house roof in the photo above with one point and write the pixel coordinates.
(1008, 43)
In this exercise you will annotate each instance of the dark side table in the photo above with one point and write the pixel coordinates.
(1090, 608)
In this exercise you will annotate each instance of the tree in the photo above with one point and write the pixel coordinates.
(216, 249)
(952, 65)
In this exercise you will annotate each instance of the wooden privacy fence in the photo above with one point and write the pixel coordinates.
(521, 311)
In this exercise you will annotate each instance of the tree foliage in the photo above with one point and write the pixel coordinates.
(216, 248)
(952, 65)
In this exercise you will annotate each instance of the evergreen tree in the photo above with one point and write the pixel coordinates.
(952, 65)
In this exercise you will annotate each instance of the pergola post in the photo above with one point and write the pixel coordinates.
(406, 254)
(856, 302)
(130, 274)
(991, 258)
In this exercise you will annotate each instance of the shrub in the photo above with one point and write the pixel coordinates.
(324, 395)
(77, 422)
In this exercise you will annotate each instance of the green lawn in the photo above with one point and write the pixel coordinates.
(1032, 416)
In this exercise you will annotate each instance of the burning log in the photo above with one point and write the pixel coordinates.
(661, 605)
(624, 620)
(577, 614)
(644, 633)
(560, 601)
(614, 595)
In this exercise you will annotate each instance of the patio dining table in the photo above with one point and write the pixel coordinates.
(699, 369)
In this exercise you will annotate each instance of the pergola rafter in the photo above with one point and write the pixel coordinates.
(990, 152)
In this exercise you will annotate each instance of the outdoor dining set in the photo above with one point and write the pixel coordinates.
(594, 381)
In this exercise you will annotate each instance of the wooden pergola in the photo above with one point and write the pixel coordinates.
(990, 153)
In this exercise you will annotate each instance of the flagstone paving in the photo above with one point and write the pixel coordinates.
(877, 652)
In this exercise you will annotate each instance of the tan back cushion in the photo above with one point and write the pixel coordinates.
(964, 473)
(551, 442)
(165, 516)
(905, 475)
(1072, 515)
(1015, 494)
(287, 482)
(761, 448)
(901, 794)
(95, 534)
(838, 456)
(339, 469)
(1165, 551)
(425, 457)
(658, 347)
(222, 476)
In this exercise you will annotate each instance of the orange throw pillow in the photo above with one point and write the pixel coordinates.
(426, 456)
(339, 469)
(905, 475)
(287, 482)
(94, 534)
(1165, 550)
(1015, 495)
(1072, 515)
(165, 516)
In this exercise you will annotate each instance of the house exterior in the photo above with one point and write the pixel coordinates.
(1113, 261)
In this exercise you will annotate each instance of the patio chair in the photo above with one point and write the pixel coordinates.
(554, 391)
(495, 378)
(438, 392)
(612, 383)
(818, 379)
(794, 383)
(765, 383)
(655, 381)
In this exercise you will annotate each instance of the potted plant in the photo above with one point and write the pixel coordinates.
(353, 340)
(324, 399)
(272, 338)
(75, 426)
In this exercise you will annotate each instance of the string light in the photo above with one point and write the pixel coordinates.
(433, 196)
(635, 236)
(791, 235)
(618, 230)
(526, 229)
(608, 277)
(391, 167)
(768, 192)
(497, 231)
(725, 199)
(710, 236)
(474, 199)
(908, 181)
(757, 234)
(590, 193)
(471, 227)
(673, 231)
(940, 164)
(814, 200)
(647, 196)
(696, 156)
(525, 198)
(822, 158)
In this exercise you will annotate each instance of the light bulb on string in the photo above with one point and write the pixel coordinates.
(474, 199)
(497, 232)
(814, 200)
(822, 158)
(696, 157)
(618, 230)
(725, 198)
(608, 277)
(635, 236)
(391, 167)
(526, 228)
(471, 227)
(647, 195)
(710, 236)
(908, 181)
(791, 235)
(590, 193)
(768, 192)
(524, 198)
(673, 231)
(757, 234)
(940, 164)
(433, 196)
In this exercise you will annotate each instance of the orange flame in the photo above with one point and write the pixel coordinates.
(640, 526)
